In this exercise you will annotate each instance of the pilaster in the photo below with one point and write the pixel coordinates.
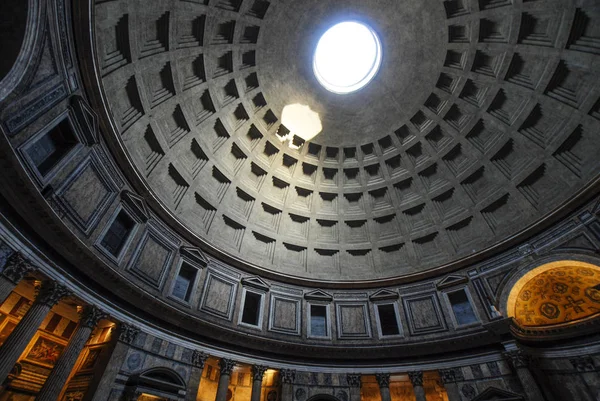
(521, 362)
(353, 380)
(449, 378)
(111, 361)
(287, 377)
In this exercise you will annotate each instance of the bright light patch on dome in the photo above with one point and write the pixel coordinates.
(347, 57)
(301, 121)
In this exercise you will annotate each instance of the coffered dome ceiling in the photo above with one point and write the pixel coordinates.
(482, 120)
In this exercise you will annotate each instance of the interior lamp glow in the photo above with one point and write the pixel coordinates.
(347, 57)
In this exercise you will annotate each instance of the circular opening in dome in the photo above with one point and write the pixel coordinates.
(347, 57)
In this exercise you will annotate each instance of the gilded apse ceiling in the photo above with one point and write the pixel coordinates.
(559, 295)
(482, 120)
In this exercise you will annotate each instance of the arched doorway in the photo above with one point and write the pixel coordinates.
(556, 293)
(156, 384)
(322, 397)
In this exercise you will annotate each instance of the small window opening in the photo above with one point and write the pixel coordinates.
(49, 149)
(251, 311)
(318, 320)
(69, 330)
(184, 282)
(388, 320)
(117, 234)
(53, 323)
(463, 311)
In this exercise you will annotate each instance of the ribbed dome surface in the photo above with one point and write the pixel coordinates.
(482, 120)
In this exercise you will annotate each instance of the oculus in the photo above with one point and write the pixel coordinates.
(347, 57)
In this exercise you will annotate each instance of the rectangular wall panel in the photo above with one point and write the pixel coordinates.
(152, 257)
(218, 297)
(285, 314)
(352, 320)
(88, 177)
(424, 314)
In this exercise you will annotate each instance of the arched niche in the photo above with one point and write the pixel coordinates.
(156, 384)
(555, 293)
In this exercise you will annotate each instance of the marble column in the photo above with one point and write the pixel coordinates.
(287, 377)
(449, 378)
(47, 296)
(198, 360)
(416, 378)
(15, 269)
(383, 379)
(521, 362)
(226, 366)
(258, 371)
(111, 363)
(88, 319)
(353, 380)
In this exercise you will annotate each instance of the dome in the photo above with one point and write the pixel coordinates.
(194, 207)
(446, 155)
(347, 57)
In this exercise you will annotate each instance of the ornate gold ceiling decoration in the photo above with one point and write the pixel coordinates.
(558, 294)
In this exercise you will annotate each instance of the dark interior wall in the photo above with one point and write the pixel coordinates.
(13, 19)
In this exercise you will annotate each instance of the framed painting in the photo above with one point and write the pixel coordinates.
(44, 351)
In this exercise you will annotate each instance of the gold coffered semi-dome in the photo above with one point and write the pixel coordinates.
(192, 209)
